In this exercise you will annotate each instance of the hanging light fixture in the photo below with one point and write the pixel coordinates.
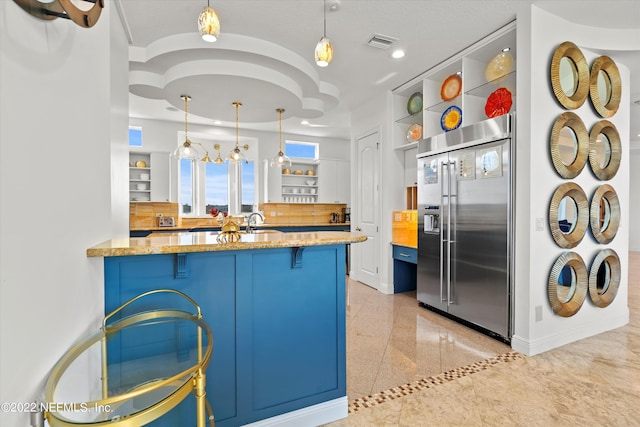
(236, 156)
(209, 24)
(188, 150)
(324, 49)
(280, 160)
(218, 160)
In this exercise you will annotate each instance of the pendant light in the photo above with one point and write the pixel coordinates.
(187, 150)
(280, 160)
(236, 156)
(209, 24)
(324, 49)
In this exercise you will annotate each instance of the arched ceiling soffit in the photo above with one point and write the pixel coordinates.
(262, 75)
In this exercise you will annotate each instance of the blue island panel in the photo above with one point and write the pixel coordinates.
(278, 322)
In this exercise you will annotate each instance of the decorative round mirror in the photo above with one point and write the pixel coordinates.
(605, 214)
(605, 86)
(568, 215)
(569, 75)
(604, 277)
(567, 287)
(605, 150)
(569, 145)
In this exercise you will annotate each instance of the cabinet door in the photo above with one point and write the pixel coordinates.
(274, 185)
(327, 181)
(343, 181)
(160, 177)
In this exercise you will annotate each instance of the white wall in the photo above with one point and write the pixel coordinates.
(634, 199)
(539, 33)
(163, 136)
(55, 189)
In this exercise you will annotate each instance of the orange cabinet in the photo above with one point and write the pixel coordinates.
(405, 228)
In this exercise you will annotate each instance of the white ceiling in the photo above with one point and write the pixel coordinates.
(264, 55)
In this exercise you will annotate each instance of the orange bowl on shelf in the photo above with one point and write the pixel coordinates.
(451, 87)
(414, 133)
(297, 172)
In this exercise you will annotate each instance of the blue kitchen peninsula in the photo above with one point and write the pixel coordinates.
(276, 305)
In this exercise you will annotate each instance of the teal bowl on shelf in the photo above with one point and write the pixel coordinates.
(414, 105)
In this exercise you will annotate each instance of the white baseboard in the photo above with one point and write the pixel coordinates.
(585, 330)
(315, 415)
(386, 288)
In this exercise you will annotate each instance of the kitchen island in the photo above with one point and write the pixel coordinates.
(276, 305)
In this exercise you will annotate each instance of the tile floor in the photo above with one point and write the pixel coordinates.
(407, 367)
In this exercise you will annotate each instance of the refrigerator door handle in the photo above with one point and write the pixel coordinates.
(443, 224)
(451, 218)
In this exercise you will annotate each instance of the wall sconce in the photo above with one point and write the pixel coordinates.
(52, 9)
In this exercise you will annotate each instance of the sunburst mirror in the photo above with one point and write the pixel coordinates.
(567, 286)
(569, 145)
(569, 75)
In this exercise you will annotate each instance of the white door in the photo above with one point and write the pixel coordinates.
(368, 203)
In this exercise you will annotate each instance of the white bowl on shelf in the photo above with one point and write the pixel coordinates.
(144, 176)
(310, 182)
(141, 187)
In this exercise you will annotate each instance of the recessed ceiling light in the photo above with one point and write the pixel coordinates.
(397, 54)
(304, 122)
(217, 122)
(506, 49)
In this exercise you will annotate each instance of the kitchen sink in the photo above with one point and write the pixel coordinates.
(260, 231)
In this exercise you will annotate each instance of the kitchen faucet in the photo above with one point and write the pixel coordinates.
(249, 227)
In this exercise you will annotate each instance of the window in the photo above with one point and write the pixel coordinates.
(302, 150)
(135, 136)
(248, 186)
(217, 187)
(206, 186)
(186, 186)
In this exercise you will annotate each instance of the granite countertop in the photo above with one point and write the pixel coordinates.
(206, 241)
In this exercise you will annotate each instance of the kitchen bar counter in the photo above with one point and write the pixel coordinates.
(206, 241)
(276, 306)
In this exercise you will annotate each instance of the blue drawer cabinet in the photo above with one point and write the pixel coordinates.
(405, 260)
(406, 254)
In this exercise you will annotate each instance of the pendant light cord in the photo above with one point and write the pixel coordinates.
(280, 110)
(186, 112)
(237, 104)
(324, 12)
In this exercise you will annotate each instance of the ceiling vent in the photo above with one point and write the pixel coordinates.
(381, 42)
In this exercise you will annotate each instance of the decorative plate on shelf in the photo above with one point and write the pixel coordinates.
(414, 133)
(451, 87)
(498, 103)
(414, 105)
(499, 66)
(451, 118)
(141, 164)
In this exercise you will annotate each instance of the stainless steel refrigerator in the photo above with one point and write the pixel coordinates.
(465, 202)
